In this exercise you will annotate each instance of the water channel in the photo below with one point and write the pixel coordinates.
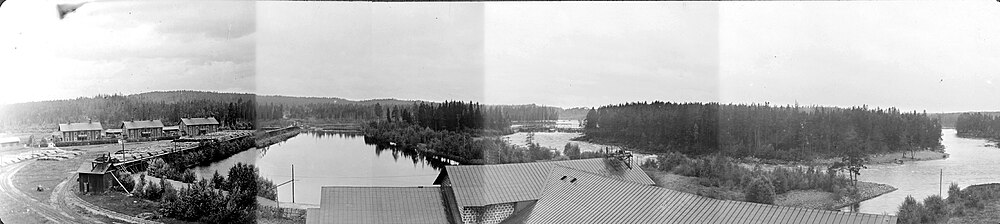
(324, 159)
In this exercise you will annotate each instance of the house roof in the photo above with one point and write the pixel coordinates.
(100, 168)
(119, 131)
(367, 204)
(142, 124)
(576, 196)
(9, 139)
(88, 126)
(171, 128)
(480, 185)
(199, 121)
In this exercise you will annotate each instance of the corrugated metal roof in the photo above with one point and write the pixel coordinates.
(199, 121)
(81, 126)
(480, 185)
(142, 124)
(594, 198)
(364, 204)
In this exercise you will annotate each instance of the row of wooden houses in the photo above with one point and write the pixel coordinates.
(137, 129)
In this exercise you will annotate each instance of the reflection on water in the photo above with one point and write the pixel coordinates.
(328, 158)
(971, 162)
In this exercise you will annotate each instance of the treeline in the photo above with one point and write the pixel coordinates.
(448, 115)
(336, 111)
(459, 146)
(978, 125)
(530, 112)
(111, 110)
(451, 116)
(763, 131)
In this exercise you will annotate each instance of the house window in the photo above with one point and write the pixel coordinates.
(144, 134)
(81, 137)
(202, 131)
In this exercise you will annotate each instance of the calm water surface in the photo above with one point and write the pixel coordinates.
(971, 162)
(323, 159)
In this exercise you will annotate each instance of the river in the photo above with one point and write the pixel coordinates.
(971, 162)
(323, 159)
(326, 159)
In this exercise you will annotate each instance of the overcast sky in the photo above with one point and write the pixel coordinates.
(934, 56)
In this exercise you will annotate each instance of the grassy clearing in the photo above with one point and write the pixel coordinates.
(124, 204)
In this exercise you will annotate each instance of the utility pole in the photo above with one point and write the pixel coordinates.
(293, 183)
(941, 184)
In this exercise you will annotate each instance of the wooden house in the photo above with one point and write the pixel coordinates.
(198, 126)
(9, 142)
(72, 132)
(142, 129)
(95, 176)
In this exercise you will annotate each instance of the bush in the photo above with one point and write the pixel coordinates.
(189, 177)
(910, 211)
(572, 150)
(935, 209)
(954, 193)
(761, 190)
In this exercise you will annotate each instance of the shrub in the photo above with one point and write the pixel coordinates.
(954, 193)
(761, 190)
(189, 177)
(935, 209)
(572, 150)
(910, 211)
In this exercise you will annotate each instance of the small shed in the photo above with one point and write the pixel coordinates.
(72, 132)
(199, 126)
(95, 176)
(142, 129)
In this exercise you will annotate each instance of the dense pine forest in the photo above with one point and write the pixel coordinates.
(763, 131)
(978, 125)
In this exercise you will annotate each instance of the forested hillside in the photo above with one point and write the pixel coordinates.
(236, 110)
(232, 109)
(787, 132)
(980, 125)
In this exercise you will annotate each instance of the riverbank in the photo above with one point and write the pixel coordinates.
(896, 157)
(271, 137)
(812, 199)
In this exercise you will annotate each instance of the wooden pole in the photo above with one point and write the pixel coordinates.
(941, 184)
(293, 183)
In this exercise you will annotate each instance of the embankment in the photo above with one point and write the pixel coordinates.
(267, 138)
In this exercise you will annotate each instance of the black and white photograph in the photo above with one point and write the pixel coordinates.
(357, 112)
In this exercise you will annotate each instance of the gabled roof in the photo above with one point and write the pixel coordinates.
(171, 128)
(142, 124)
(365, 204)
(480, 185)
(100, 168)
(575, 196)
(119, 131)
(89, 126)
(199, 121)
